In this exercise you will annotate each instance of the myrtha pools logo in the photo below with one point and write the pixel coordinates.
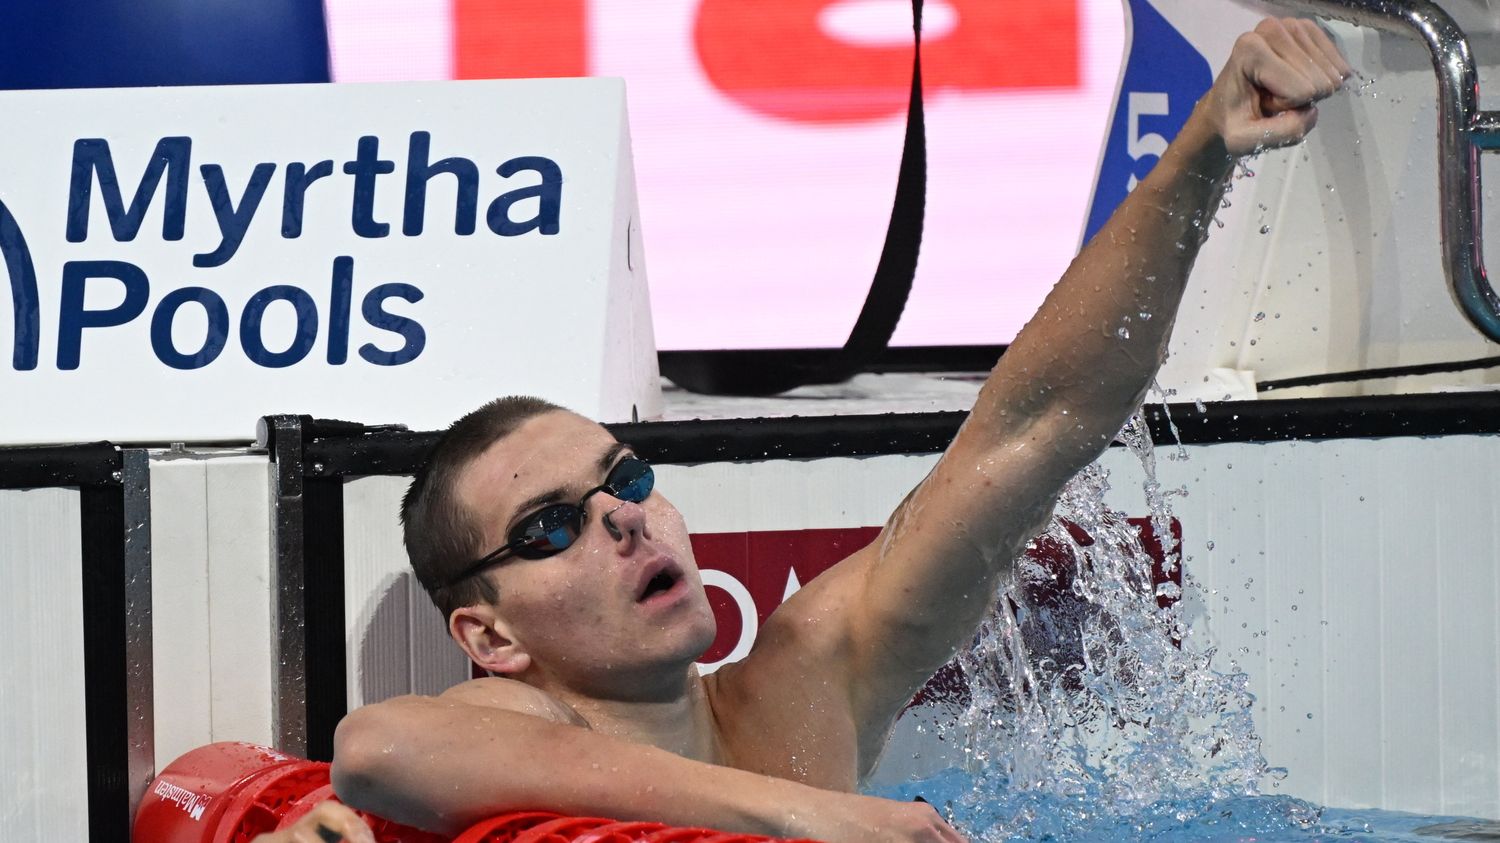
(323, 317)
(25, 309)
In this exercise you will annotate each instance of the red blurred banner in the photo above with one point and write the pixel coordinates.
(519, 39)
(778, 59)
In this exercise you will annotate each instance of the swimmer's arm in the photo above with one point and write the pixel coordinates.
(1084, 362)
(1062, 390)
(445, 763)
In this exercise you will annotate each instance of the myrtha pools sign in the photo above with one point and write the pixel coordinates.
(183, 261)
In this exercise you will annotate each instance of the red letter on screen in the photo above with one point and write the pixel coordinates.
(519, 39)
(774, 57)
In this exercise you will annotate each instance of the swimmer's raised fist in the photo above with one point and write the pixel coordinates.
(1265, 96)
(330, 822)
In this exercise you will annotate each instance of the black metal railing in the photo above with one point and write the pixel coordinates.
(114, 488)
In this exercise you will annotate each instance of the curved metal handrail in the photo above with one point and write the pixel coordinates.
(1463, 132)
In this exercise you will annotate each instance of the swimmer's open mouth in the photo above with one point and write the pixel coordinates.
(665, 576)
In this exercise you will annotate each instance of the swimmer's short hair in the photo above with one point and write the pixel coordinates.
(441, 536)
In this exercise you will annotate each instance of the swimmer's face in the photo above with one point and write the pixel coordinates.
(611, 611)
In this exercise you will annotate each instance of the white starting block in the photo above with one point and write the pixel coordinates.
(183, 261)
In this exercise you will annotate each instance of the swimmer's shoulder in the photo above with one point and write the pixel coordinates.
(511, 695)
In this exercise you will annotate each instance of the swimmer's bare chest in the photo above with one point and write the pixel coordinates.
(790, 729)
(786, 709)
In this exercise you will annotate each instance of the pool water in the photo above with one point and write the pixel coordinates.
(1087, 711)
(1011, 815)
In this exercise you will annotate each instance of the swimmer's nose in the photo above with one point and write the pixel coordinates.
(609, 524)
(625, 521)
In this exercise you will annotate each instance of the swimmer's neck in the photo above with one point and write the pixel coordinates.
(681, 722)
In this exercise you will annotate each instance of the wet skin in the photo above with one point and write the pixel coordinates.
(572, 624)
(573, 628)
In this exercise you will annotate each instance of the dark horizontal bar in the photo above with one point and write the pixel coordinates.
(802, 437)
(1367, 417)
(937, 358)
(1380, 373)
(721, 440)
(94, 464)
(915, 358)
(385, 453)
(810, 437)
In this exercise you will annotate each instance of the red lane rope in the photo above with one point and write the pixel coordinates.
(230, 792)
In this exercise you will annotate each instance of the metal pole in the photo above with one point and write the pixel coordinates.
(1463, 132)
(140, 728)
(283, 436)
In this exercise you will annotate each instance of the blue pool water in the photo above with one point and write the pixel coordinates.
(1011, 815)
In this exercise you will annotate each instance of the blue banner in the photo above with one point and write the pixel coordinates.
(131, 43)
(1164, 77)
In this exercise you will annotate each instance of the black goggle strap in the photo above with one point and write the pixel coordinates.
(485, 561)
(515, 545)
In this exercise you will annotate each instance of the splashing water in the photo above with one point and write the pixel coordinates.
(1091, 715)
(1090, 711)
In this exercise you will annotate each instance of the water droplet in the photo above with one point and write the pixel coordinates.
(1265, 229)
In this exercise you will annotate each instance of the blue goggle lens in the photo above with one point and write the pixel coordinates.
(555, 528)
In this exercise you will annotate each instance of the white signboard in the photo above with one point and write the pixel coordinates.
(182, 261)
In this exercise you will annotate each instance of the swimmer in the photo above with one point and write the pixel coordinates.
(568, 577)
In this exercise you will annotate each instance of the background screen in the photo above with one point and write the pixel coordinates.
(767, 136)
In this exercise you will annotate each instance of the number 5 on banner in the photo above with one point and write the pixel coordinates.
(1152, 143)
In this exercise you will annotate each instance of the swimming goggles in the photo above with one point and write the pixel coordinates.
(553, 529)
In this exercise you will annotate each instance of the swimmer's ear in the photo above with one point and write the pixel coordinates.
(488, 641)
